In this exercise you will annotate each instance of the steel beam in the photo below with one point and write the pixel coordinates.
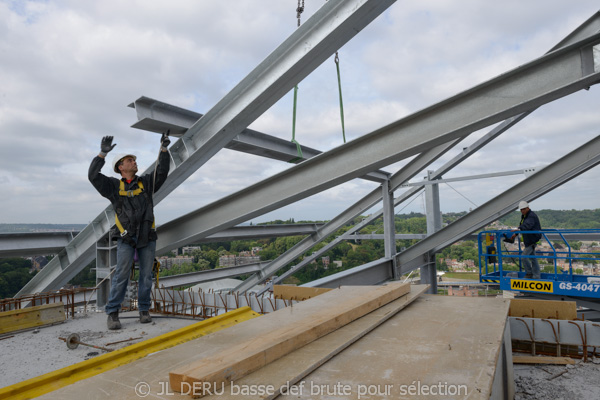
(550, 77)
(261, 231)
(375, 236)
(209, 275)
(45, 243)
(335, 23)
(547, 179)
(308, 242)
(526, 171)
(420, 162)
(378, 269)
(373, 273)
(156, 116)
(33, 244)
(407, 172)
(71, 259)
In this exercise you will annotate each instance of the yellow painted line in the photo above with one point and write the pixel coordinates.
(65, 376)
(25, 318)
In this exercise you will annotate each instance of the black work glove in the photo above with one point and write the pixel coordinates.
(164, 140)
(106, 145)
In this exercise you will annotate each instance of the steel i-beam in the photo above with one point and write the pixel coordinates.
(156, 116)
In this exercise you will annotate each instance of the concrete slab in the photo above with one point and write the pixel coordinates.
(438, 347)
(435, 345)
(150, 375)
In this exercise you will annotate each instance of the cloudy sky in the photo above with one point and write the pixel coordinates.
(69, 69)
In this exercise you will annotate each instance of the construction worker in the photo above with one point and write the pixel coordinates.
(529, 222)
(131, 198)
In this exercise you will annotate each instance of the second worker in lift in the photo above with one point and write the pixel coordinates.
(131, 198)
(529, 222)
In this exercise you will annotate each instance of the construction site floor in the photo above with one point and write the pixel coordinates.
(438, 347)
(34, 352)
(436, 344)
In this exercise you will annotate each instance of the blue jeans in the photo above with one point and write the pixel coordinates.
(531, 264)
(120, 278)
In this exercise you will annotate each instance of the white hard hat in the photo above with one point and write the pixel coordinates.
(118, 158)
(523, 204)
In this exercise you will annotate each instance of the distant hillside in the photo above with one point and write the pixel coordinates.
(560, 219)
(27, 228)
(566, 219)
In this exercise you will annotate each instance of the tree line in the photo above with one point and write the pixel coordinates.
(14, 272)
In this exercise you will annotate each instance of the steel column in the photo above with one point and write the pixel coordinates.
(389, 225)
(434, 224)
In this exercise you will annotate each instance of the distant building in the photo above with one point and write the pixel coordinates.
(463, 291)
(189, 249)
(169, 262)
(227, 261)
(231, 260)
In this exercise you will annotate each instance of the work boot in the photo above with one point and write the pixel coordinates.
(145, 317)
(528, 276)
(113, 321)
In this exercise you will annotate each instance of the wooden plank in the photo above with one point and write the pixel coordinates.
(296, 327)
(46, 314)
(542, 360)
(293, 367)
(297, 292)
(548, 309)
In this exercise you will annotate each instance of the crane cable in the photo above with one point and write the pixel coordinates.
(299, 156)
(337, 66)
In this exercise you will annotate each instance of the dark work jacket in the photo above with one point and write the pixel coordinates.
(137, 214)
(530, 222)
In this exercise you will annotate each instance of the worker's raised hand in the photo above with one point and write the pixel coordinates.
(106, 145)
(164, 140)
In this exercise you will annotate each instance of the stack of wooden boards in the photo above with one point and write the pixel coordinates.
(31, 317)
(271, 337)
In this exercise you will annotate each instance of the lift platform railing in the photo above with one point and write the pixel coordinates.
(501, 262)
